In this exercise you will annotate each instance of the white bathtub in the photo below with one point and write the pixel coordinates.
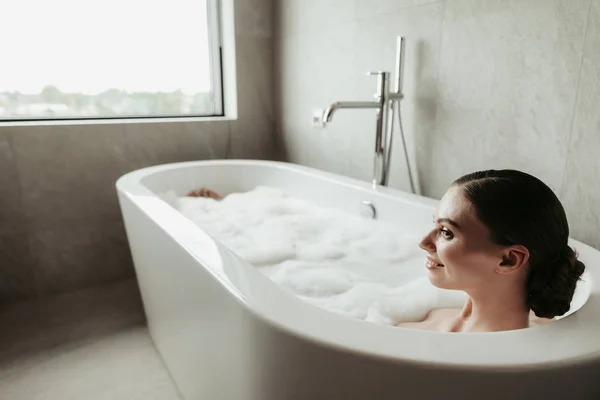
(226, 332)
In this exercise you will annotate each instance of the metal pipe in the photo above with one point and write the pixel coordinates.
(379, 166)
(328, 113)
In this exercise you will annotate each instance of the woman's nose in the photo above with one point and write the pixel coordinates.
(427, 244)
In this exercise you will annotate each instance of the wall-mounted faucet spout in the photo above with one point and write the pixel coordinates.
(382, 108)
(328, 114)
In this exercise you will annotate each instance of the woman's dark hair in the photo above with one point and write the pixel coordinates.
(519, 209)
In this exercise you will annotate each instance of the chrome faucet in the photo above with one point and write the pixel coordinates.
(386, 102)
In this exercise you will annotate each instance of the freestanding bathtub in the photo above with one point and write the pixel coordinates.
(227, 332)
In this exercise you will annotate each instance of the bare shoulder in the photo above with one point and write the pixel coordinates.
(439, 319)
(446, 319)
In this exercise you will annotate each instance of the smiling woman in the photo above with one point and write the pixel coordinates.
(501, 237)
(73, 59)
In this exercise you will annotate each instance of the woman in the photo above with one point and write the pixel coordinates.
(501, 237)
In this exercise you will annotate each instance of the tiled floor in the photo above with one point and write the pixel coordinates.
(88, 345)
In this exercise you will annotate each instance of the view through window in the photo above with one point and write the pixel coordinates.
(112, 58)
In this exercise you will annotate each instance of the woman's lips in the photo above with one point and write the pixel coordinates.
(433, 264)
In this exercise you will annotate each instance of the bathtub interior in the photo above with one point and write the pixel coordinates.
(325, 190)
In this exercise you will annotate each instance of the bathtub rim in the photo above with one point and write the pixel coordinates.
(130, 185)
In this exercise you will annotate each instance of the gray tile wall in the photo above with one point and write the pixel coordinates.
(488, 84)
(60, 224)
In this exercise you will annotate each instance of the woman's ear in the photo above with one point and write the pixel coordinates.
(513, 259)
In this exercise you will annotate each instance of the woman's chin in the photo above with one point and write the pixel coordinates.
(437, 279)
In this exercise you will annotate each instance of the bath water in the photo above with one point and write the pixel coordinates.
(358, 267)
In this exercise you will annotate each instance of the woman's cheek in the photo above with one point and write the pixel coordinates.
(442, 253)
(449, 251)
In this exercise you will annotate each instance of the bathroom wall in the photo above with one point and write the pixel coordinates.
(60, 225)
(488, 84)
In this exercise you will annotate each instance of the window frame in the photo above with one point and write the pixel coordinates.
(214, 28)
(214, 15)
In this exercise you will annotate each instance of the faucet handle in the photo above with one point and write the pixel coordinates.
(378, 73)
(383, 78)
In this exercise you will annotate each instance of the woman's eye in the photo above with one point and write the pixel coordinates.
(446, 233)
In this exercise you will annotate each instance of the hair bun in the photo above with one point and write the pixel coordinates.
(550, 289)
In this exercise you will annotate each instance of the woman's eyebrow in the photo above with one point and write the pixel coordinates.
(448, 220)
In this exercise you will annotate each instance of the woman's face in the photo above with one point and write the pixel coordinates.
(461, 254)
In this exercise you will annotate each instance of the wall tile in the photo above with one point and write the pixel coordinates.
(68, 258)
(581, 192)
(11, 210)
(16, 278)
(67, 173)
(252, 139)
(254, 18)
(163, 143)
(324, 149)
(508, 78)
(316, 70)
(303, 16)
(367, 9)
(208, 141)
(254, 81)
(252, 133)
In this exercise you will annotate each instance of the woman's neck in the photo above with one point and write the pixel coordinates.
(489, 312)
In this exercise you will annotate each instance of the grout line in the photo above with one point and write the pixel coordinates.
(576, 102)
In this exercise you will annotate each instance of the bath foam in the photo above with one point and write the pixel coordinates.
(361, 268)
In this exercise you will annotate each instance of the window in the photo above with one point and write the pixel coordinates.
(81, 59)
